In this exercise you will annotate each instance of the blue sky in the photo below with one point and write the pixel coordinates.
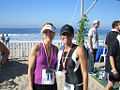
(34, 13)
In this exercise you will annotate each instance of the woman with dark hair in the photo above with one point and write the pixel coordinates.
(73, 61)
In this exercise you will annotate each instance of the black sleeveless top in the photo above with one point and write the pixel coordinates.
(72, 76)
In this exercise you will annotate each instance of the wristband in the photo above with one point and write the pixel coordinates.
(114, 70)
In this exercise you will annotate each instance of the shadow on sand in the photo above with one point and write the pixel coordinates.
(12, 69)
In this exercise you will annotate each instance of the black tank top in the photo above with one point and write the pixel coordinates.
(73, 76)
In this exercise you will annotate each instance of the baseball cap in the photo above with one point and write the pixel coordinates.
(95, 21)
(67, 28)
(50, 27)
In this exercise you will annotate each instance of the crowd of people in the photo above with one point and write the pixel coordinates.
(45, 59)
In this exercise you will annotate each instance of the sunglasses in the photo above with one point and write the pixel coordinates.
(47, 31)
(66, 34)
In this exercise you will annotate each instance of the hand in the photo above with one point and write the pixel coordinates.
(91, 51)
(116, 74)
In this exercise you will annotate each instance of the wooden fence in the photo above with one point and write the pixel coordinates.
(19, 49)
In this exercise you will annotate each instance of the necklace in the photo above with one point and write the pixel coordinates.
(49, 60)
(64, 62)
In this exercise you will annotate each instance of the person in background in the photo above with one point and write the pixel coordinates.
(72, 60)
(7, 39)
(43, 61)
(3, 38)
(110, 37)
(93, 45)
(6, 52)
(114, 74)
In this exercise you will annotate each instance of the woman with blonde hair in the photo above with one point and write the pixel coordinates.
(43, 61)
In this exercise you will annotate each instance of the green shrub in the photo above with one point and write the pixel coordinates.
(82, 30)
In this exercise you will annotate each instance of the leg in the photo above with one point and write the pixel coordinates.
(105, 78)
(90, 62)
(94, 52)
(119, 85)
(109, 85)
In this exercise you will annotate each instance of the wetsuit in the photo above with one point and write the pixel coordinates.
(73, 75)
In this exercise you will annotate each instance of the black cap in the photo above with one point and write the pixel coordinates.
(67, 28)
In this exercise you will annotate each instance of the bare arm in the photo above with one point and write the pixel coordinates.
(106, 46)
(90, 43)
(113, 66)
(4, 49)
(32, 59)
(83, 63)
(112, 62)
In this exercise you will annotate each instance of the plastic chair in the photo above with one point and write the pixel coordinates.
(103, 55)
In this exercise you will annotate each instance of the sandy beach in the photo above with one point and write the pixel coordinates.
(13, 76)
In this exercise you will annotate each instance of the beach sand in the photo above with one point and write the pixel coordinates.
(13, 76)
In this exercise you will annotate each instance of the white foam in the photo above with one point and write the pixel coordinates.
(29, 37)
(38, 37)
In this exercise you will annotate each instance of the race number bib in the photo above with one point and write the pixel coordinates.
(68, 87)
(48, 76)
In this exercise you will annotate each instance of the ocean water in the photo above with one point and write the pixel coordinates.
(33, 34)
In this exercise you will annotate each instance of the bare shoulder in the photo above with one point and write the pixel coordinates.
(80, 51)
(56, 48)
(35, 48)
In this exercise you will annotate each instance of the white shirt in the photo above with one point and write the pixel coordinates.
(114, 30)
(93, 33)
(118, 38)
